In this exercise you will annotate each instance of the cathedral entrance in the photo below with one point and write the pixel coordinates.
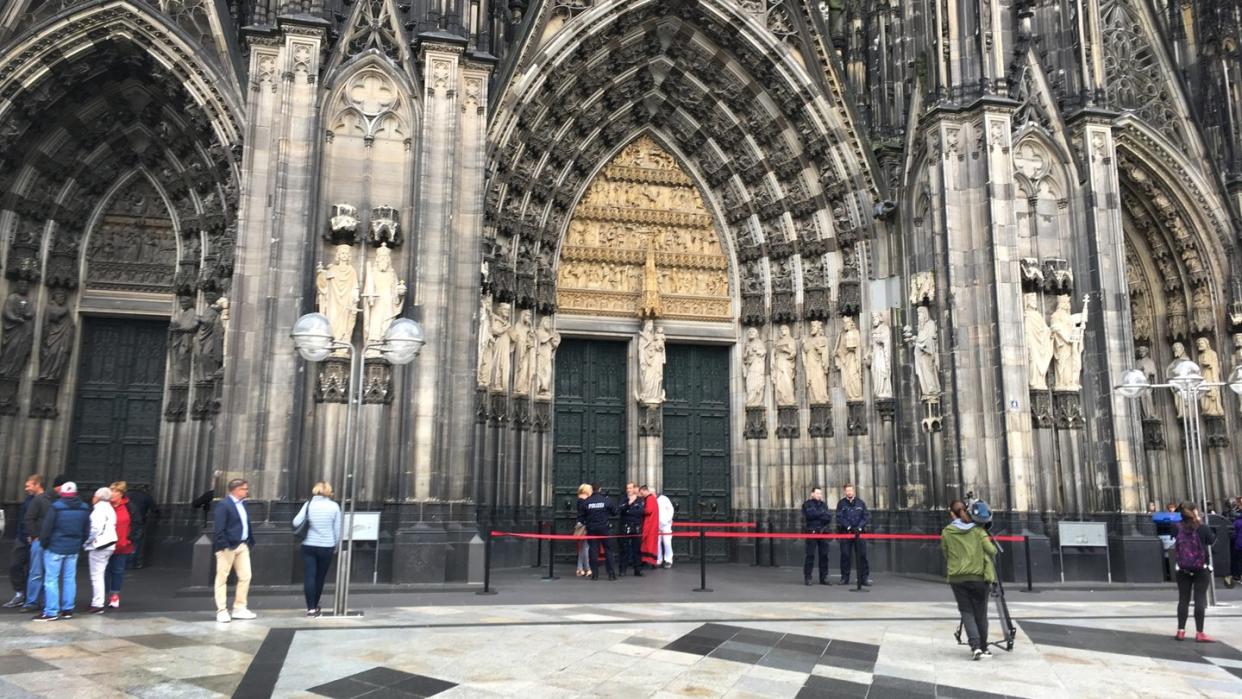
(696, 440)
(116, 413)
(590, 426)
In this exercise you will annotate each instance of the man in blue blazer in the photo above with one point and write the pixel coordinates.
(232, 539)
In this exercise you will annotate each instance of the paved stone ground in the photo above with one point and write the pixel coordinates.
(812, 642)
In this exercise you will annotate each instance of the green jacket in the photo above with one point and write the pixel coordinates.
(968, 554)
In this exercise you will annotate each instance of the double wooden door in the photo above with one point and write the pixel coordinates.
(116, 413)
(696, 440)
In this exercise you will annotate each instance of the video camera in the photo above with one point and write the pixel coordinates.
(980, 511)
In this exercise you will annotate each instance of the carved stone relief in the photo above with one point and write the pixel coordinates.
(651, 360)
(1210, 403)
(847, 356)
(816, 362)
(134, 247)
(880, 356)
(642, 243)
(339, 294)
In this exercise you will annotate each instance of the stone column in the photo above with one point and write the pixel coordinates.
(1113, 421)
(264, 386)
(446, 288)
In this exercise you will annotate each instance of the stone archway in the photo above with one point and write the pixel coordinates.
(111, 94)
(779, 169)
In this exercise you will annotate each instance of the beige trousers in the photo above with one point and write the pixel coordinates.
(228, 560)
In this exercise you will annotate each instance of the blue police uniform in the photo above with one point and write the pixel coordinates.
(594, 512)
(631, 525)
(852, 518)
(816, 519)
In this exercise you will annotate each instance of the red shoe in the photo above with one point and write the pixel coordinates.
(1204, 638)
(1181, 635)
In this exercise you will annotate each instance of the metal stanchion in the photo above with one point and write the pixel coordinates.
(1026, 552)
(487, 565)
(551, 574)
(771, 544)
(858, 562)
(703, 562)
(538, 545)
(757, 543)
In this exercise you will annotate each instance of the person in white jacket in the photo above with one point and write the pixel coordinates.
(664, 556)
(100, 544)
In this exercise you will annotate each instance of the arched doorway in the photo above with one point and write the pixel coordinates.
(641, 246)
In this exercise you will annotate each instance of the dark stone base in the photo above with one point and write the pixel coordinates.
(1136, 559)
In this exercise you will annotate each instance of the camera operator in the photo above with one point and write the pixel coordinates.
(968, 555)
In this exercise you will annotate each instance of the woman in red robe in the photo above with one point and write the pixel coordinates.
(651, 527)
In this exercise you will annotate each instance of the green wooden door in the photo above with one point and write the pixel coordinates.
(696, 439)
(116, 413)
(589, 431)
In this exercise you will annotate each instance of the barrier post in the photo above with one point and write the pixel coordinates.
(703, 562)
(538, 545)
(757, 543)
(487, 565)
(551, 574)
(771, 545)
(1026, 552)
(858, 562)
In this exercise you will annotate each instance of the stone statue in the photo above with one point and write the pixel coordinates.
(1179, 352)
(880, 357)
(651, 283)
(523, 334)
(927, 355)
(815, 361)
(547, 340)
(1147, 365)
(209, 343)
(486, 341)
(784, 367)
(1210, 403)
(18, 338)
(1067, 336)
(59, 331)
(651, 359)
(502, 349)
(337, 287)
(181, 339)
(1038, 343)
(384, 296)
(754, 358)
(848, 354)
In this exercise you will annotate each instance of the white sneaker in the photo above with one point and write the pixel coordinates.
(223, 617)
(243, 613)
(976, 654)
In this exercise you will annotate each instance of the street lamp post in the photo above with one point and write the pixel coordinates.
(1185, 379)
(312, 336)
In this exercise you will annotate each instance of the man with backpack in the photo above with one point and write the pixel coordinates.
(1194, 540)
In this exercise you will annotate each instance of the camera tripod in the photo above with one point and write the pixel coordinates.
(1002, 610)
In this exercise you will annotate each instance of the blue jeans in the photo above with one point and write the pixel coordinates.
(60, 582)
(115, 575)
(315, 563)
(34, 581)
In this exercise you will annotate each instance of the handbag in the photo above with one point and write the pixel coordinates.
(301, 530)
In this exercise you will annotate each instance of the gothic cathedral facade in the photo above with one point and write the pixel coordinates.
(728, 248)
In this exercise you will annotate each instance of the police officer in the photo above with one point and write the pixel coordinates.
(816, 519)
(852, 518)
(594, 512)
(631, 526)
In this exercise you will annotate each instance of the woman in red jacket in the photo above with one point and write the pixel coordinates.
(124, 547)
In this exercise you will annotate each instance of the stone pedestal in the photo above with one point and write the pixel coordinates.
(1136, 559)
(420, 554)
